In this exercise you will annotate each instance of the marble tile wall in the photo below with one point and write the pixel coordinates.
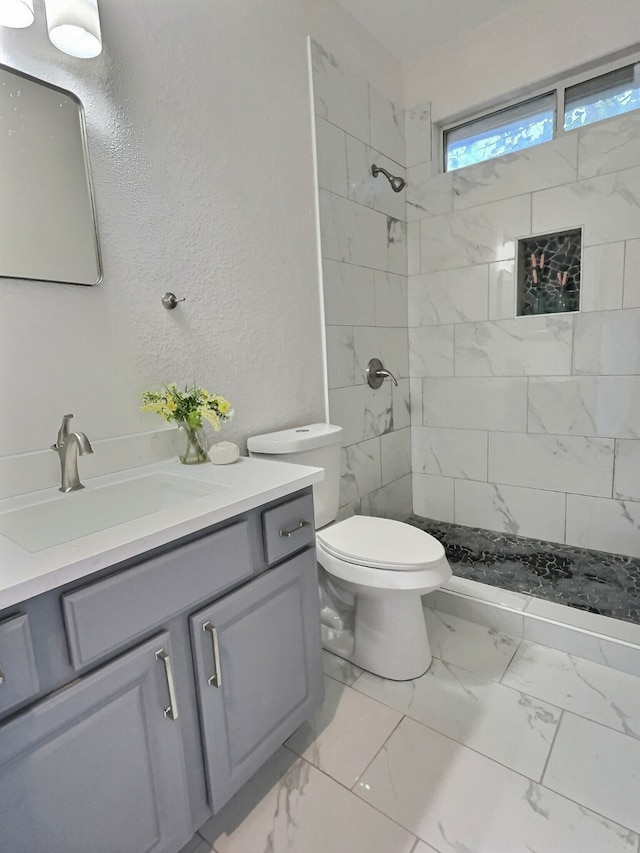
(529, 425)
(364, 265)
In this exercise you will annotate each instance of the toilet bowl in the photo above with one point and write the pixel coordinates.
(384, 567)
(373, 571)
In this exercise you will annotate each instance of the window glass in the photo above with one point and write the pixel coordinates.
(512, 129)
(602, 97)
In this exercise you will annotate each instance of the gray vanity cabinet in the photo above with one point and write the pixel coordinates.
(98, 766)
(258, 671)
(135, 703)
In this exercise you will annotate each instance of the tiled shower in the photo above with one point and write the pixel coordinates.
(527, 425)
(531, 424)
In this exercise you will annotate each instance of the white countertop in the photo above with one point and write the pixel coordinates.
(248, 483)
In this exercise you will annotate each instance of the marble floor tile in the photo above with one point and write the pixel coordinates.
(291, 807)
(421, 847)
(330, 740)
(589, 689)
(478, 609)
(597, 767)
(468, 645)
(512, 728)
(339, 669)
(461, 802)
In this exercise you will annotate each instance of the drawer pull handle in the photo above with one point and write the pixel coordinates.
(1, 676)
(216, 679)
(171, 713)
(287, 534)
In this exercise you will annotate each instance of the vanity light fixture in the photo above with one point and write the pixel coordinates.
(74, 27)
(16, 13)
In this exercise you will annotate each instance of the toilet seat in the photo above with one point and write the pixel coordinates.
(420, 581)
(379, 553)
(381, 543)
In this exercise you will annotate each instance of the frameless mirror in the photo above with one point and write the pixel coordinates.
(47, 216)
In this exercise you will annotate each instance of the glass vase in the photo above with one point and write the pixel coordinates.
(195, 445)
(539, 302)
(565, 302)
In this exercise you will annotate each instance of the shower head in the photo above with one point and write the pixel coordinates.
(397, 184)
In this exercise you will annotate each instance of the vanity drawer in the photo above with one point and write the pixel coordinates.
(287, 528)
(18, 675)
(105, 615)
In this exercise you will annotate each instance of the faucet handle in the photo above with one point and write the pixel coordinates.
(63, 432)
(376, 373)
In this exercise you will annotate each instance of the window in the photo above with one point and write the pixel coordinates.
(503, 132)
(602, 97)
(531, 122)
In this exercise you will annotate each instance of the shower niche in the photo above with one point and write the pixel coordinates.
(548, 273)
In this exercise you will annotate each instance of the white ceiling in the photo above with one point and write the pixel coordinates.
(408, 27)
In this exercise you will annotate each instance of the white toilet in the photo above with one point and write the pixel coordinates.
(373, 570)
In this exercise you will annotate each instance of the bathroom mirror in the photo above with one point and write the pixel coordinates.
(47, 216)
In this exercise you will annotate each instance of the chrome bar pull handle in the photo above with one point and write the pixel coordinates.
(1, 676)
(171, 712)
(216, 679)
(287, 534)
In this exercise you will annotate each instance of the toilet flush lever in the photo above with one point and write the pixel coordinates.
(376, 374)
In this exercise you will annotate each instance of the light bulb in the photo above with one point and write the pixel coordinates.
(74, 27)
(16, 13)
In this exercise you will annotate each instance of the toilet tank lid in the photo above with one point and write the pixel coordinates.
(296, 439)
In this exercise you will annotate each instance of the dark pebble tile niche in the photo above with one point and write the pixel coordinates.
(607, 584)
(549, 273)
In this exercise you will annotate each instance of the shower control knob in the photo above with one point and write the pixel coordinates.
(376, 374)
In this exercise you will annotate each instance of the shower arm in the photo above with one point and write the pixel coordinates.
(375, 171)
(397, 183)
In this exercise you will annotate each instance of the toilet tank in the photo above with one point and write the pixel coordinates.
(315, 444)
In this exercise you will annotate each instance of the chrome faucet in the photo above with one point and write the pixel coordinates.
(68, 446)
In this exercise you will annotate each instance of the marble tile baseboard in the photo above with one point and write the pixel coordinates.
(600, 639)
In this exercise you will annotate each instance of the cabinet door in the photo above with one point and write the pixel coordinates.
(258, 671)
(98, 766)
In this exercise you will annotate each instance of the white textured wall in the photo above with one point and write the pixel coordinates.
(200, 138)
(537, 40)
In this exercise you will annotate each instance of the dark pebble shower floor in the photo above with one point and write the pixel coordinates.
(607, 584)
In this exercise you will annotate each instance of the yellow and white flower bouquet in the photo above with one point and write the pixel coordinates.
(189, 408)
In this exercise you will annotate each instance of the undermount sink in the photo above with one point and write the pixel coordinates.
(66, 517)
